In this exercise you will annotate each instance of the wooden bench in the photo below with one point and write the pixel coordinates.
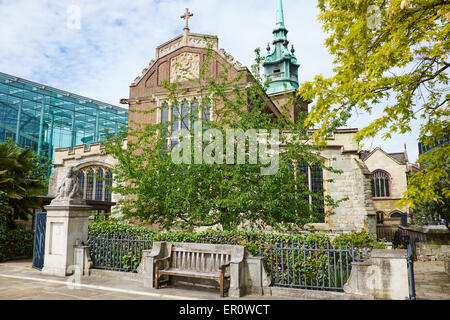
(194, 260)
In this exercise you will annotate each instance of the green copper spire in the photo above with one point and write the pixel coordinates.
(280, 14)
(281, 65)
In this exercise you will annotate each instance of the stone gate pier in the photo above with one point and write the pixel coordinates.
(67, 229)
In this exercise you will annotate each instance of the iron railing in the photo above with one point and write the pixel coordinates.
(118, 252)
(310, 266)
(316, 266)
(386, 232)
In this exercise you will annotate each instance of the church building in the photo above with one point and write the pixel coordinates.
(182, 57)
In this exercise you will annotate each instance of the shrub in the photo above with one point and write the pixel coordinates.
(358, 239)
(254, 241)
(16, 243)
(313, 264)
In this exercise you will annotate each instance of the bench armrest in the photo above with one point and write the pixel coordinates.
(224, 266)
(166, 263)
(162, 259)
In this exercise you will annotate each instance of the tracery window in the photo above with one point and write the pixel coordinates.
(89, 184)
(313, 178)
(95, 182)
(99, 185)
(108, 184)
(182, 116)
(380, 181)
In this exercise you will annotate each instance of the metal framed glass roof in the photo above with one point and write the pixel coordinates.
(46, 118)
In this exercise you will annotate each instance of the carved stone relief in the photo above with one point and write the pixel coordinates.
(185, 67)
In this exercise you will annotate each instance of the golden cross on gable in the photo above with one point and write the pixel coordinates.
(186, 17)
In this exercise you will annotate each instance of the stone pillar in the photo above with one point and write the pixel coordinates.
(258, 281)
(237, 272)
(384, 276)
(147, 267)
(67, 227)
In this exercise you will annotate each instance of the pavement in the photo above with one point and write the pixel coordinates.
(432, 283)
(19, 281)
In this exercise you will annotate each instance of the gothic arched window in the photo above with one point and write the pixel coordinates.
(312, 178)
(99, 185)
(81, 181)
(108, 183)
(93, 182)
(380, 181)
(89, 184)
(183, 116)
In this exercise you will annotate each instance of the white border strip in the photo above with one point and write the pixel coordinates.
(104, 288)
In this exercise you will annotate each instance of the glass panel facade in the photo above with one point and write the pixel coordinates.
(44, 118)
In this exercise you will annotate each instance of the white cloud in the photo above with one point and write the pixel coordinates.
(118, 38)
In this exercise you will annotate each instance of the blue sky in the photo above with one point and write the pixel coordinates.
(117, 39)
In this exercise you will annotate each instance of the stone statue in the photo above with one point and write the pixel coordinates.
(69, 190)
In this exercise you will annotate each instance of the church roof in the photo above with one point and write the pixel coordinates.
(399, 157)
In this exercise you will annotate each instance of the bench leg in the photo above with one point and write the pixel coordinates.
(157, 276)
(221, 284)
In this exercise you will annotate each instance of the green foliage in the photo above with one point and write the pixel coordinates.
(5, 211)
(390, 57)
(16, 243)
(22, 179)
(311, 266)
(428, 210)
(358, 239)
(254, 241)
(158, 191)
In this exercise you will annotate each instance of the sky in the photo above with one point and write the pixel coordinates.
(101, 53)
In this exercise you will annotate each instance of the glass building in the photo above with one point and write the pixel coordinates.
(424, 149)
(44, 118)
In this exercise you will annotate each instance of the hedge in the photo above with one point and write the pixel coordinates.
(254, 241)
(16, 243)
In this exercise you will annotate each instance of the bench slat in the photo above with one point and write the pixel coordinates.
(176, 249)
(194, 274)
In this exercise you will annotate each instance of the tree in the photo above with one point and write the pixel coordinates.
(392, 53)
(22, 180)
(427, 210)
(196, 193)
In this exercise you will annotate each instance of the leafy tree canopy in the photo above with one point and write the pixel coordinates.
(159, 191)
(22, 179)
(394, 55)
(427, 210)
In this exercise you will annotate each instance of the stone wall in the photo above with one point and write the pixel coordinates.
(429, 252)
(384, 276)
(357, 213)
